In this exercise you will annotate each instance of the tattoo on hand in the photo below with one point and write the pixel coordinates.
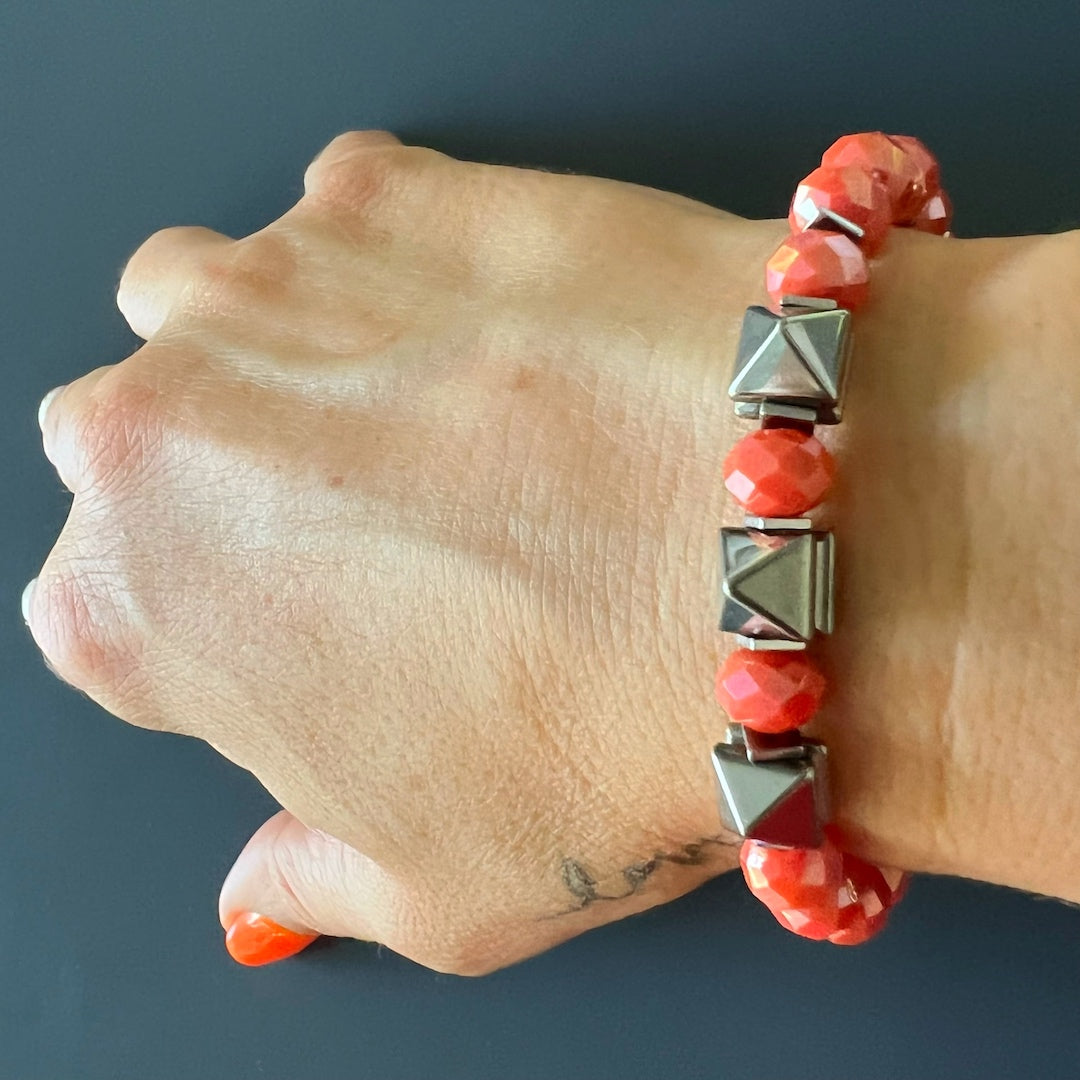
(583, 886)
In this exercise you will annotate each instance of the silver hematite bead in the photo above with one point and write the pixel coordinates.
(780, 799)
(776, 586)
(793, 362)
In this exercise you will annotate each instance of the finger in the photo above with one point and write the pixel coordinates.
(291, 884)
(158, 272)
(57, 408)
(343, 147)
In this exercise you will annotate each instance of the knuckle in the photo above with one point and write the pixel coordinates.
(79, 620)
(356, 141)
(358, 176)
(117, 432)
(146, 256)
(255, 271)
(156, 269)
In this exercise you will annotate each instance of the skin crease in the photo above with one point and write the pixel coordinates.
(409, 506)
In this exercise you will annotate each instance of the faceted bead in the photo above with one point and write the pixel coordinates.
(769, 691)
(799, 886)
(778, 472)
(816, 925)
(804, 879)
(821, 263)
(928, 170)
(849, 191)
(822, 893)
(864, 931)
(935, 216)
(868, 894)
(901, 162)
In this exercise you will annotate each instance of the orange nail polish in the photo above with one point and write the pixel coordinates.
(253, 939)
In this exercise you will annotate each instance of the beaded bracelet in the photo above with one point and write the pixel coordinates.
(777, 577)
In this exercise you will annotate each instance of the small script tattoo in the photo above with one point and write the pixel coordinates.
(584, 888)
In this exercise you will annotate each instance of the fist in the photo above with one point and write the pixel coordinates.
(408, 506)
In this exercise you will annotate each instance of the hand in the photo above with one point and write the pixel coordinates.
(409, 505)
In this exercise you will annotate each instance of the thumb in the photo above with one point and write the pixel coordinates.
(291, 884)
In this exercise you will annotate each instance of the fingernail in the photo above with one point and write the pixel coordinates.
(43, 408)
(253, 939)
(27, 596)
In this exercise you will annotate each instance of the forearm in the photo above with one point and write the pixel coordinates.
(953, 668)
(958, 654)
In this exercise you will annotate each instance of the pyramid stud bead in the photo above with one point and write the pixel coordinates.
(792, 362)
(779, 799)
(776, 586)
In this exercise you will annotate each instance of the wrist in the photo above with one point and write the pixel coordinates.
(950, 706)
(932, 661)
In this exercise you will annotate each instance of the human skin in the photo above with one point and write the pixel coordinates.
(409, 505)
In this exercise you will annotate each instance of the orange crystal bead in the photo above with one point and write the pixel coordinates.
(902, 163)
(935, 216)
(851, 192)
(822, 893)
(821, 263)
(769, 691)
(778, 471)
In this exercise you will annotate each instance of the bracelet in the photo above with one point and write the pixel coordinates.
(777, 577)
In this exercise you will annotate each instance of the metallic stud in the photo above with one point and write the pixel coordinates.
(761, 410)
(815, 303)
(780, 800)
(821, 217)
(795, 360)
(764, 644)
(776, 585)
(762, 746)
(780, 524)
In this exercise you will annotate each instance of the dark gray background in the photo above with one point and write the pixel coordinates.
(119, 118)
